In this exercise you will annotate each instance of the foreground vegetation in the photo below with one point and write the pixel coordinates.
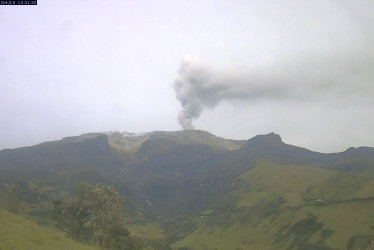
(17, 232)
(96, 215)
(270, 206)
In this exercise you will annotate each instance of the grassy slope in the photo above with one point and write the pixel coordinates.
(152, 234)
(16, 232)
(148, 231)
(288, 207)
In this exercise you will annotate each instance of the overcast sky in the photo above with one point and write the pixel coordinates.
(303, 69)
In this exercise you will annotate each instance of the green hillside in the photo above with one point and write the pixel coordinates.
(289, 207)
(17, 232)
(192, 190)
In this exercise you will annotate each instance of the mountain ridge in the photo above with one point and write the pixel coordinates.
(271, 136)
(188, 180)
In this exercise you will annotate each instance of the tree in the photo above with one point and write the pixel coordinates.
(104, 207)
(97, 214)
(13, 202)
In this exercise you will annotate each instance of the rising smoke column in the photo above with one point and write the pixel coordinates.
(198, 87)
(305, 79)
(191, 86)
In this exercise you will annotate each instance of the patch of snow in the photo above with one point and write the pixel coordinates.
(124, 133)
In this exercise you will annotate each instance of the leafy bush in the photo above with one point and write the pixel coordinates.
(97, 215)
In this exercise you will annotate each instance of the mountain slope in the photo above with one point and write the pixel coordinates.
(276, 206)
(17, 232)
(207, 192)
